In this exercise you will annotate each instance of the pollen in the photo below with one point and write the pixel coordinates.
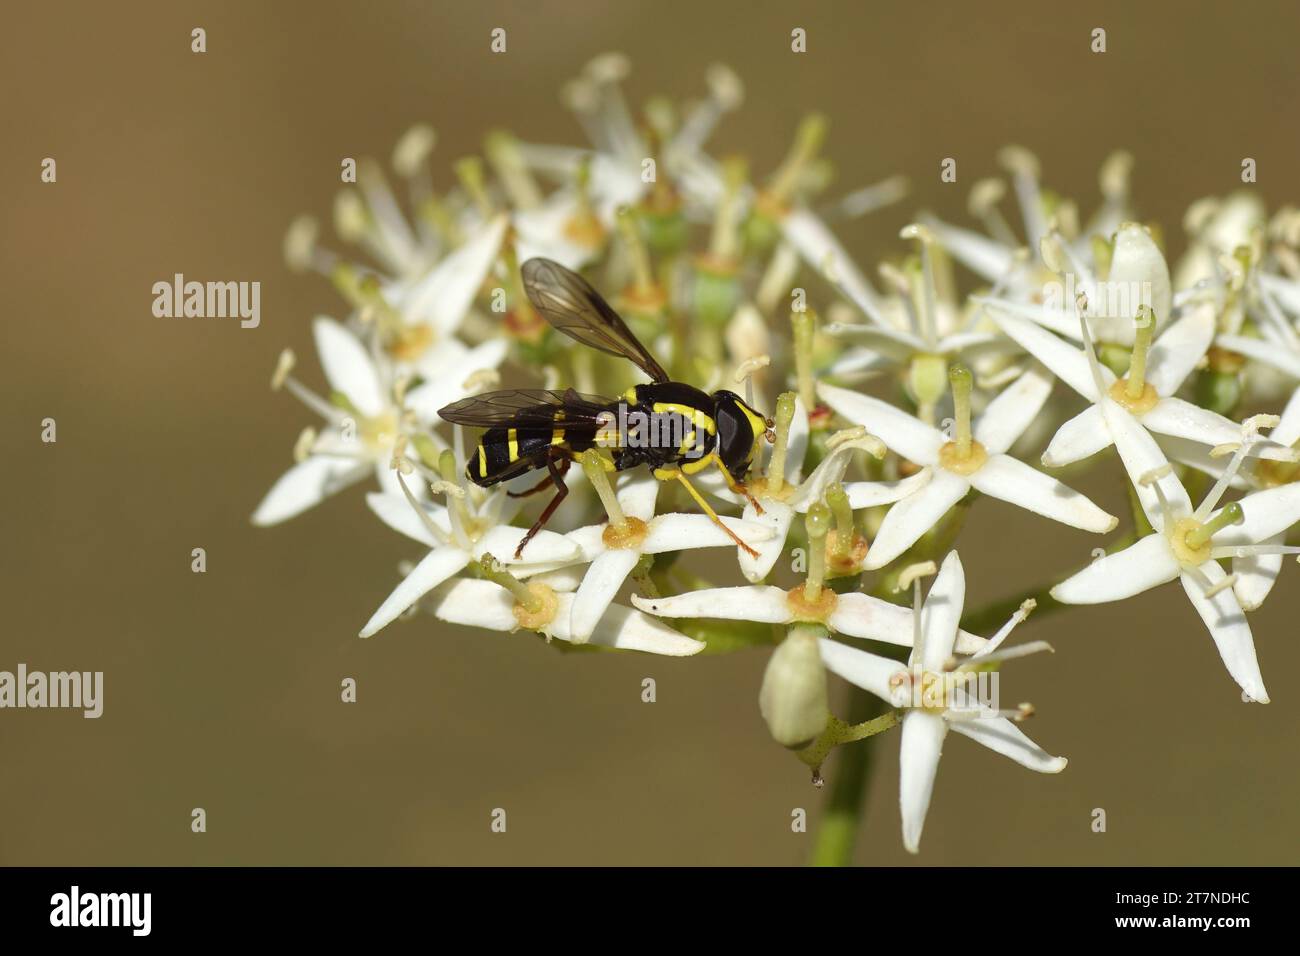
(538, 610)
(818, 610)
(951, 458)
(1138, 406)
(409, 342)
(629, 534)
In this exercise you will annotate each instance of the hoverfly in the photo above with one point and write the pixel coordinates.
(676, 429)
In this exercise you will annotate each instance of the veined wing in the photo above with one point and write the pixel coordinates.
(527, 406)
(568, 302)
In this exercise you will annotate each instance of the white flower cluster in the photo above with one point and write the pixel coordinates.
(863, 495)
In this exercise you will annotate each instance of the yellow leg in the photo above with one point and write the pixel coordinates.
(708, 510)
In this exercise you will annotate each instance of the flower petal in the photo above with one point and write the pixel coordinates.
(442, 298)
(627, 630)
(1013, 410)
(1013, 481)
(755, 602)
(918, 764)
(1141, 455)
(871, 672)
(1178, 349)
(777, 517)
(1229, 628)
(599, 588)
(546, 547)
(871, 494)
(1139, 567)
(436, 566)
(1284, 360)
(439, 391)
(474, 603)
(1066, 361)
(1265, 514)
(1002, 736)
(904, 434)
(1082, 436)
(397, 513)
(348, 366)
(1256, 575)
(682, 532)
(912, 517)
(306, 484)
(823, 252)
(940, 615)
(861, 615)
(1288, 429)
(1173, 416)
(637, 493)
(984, 256)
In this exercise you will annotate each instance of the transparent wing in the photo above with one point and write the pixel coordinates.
(526, 406)
(568, 302)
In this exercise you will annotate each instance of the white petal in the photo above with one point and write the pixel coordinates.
(1288, 429)
(1139, 567)
(348, 366)
(918, 763)
(940, 615)
(1230, 630)
(1173, 416)
(871, 494)
(1269, 353)
(396, 512)
(1136, 264)
(823, 252)
(869, 671)
(1178, 349)
(442, 298)
(440, 391)
(904, 434)
(437, 566)
(628, 630)
(1083, 435)
(912, 517)
(1066, 361)
(474, 603)
(1141, 455)
(1013, 481)
(637, 493)
(899, 346)
(1013, 410)
(1256, 575)
(755, 602)
(861, 615)
(1265, 514)
(547, 547)
(599, 588)
(682, 532)
(1003, 736)
(777, 517)
(982, 255)
(307, 483)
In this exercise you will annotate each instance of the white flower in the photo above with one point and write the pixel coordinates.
(1147, 392)
(614, 547)
(363, 424)
(1188, 543)
(931, 690)
(485, 604)
(457, 534)
(973, 459)
(853, 614)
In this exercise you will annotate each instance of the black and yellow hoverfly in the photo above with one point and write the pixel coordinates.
(676, 429)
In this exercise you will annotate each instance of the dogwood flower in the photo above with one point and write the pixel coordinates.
(498, 605)
(613, 548)
(462, 531)
(971, 459)
(853, 613)
(1187, 544)
(1156, 372)
(933, 693)
(364, 421)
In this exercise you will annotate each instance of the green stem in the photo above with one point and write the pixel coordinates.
(838, 830)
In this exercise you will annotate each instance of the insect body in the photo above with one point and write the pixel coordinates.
(674, 428)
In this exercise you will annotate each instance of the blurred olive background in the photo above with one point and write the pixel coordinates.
(222, 689)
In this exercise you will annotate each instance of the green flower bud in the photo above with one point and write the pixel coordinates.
(793, 699)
